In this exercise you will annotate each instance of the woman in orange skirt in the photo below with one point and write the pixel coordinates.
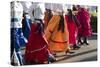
(57, 34)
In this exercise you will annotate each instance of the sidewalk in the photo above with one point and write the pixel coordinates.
(85, 53)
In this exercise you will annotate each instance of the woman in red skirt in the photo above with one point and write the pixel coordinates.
(73, 25)
(85, 30)
(36, 49)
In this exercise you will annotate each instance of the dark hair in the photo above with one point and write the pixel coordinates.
(40, 26)
(61, 24)
(50, 14)
(74, 8)
(72, 18)
(70, 15)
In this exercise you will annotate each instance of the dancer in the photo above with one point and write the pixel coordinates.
(17, 38)
(57, 33)
(73, 25)
(85, 30)
(37, 49)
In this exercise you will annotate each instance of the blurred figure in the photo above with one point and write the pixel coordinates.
(48, 16)
(37, 49)
(56, 32)
(26, 23)
(73, 25)
(17, 38)
(85, 30)
(28, 7)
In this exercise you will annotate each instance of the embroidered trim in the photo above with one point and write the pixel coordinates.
(36, 50)
(58, 41)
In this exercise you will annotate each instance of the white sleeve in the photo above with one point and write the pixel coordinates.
(32, 7)
(39, 11)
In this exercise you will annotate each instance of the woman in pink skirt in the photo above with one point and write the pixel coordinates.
(85, 29)
(72, 28)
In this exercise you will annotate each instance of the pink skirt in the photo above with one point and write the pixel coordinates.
(72, 32)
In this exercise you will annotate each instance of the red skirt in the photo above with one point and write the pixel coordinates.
(36, 48)
(84, 18)
(72, 32)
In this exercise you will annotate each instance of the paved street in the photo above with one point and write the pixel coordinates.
(85, 53)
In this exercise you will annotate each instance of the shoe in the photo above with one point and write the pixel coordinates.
(86, 43)
(70, 52)
(76, 47)
(12, 63)
(51, 58)
(80, 43)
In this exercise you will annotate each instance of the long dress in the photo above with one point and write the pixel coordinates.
(36, 48)
(84, 19)
(72, 28)
(57, 40)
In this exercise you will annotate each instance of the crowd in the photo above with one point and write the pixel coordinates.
(45, 31)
